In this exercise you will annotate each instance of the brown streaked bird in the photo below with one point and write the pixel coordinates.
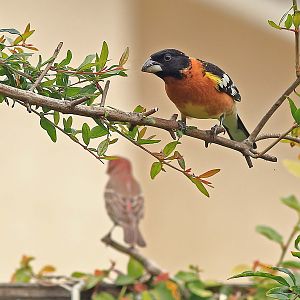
(199, 89)
(123, 200)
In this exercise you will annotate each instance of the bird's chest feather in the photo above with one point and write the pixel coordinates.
(196, 96)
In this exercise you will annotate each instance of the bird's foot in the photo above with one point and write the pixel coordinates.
(182, 126)
(214, 131)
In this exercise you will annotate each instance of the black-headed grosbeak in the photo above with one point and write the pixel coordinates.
(199, 89)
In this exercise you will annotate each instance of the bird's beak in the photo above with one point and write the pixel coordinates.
(151, 66)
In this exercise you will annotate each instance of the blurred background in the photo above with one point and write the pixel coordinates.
(51, 195)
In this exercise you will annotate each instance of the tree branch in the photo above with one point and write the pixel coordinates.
(63, 106)
(151, 269)
(272, 110)
(281, 136)
(276, 136)
(46, 70)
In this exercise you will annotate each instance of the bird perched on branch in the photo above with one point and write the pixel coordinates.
(124, 201)
(199, 89)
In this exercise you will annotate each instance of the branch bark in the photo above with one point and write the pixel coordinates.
(153, 270)
(63, 106)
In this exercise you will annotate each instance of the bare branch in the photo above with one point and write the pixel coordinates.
(150, 112)
(130, 117)
(297, 64)
(104, 93)
(272, 110)
(276, 136)
(46, 70)
(73, 103)
(281, 136)
(151, 269)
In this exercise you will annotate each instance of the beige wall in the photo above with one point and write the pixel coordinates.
(51, 195)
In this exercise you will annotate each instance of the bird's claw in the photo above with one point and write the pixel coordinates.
(217, 129)
(182, 126)
(214, 131)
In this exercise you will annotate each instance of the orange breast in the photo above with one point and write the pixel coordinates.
(196, 95)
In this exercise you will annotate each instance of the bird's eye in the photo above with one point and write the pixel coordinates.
(167, 57)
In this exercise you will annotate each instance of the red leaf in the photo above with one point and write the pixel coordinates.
(161, 278)
(209, 173)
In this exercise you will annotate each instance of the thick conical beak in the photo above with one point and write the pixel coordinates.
(151, 66)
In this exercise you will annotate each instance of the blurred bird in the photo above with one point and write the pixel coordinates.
(199, 89)
(123, 200)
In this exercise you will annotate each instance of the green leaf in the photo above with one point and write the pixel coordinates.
(291, 202)
(286, 271)
(155, 169)
(49, 127)
(296, 19)
(93, 280)
(66, 60)
(48, 83)
(139, 109)
(68, 124)
(270, 233)
(103, 296)
(297, 242)
(274, 25)
(124, 280)
(277, 278)
(56, 117)
(10, 30)
(98, 131)
(134, 268)
(288, 21)
(296, 254)
(199, 185)
(86, 133)
(102, 147)
(72, 91)
(169, 148)
(147, 141)
(146, 296)
(23, 275)
(281, 293)
(103, 56)
(86, 61)
(78, 274)
(197, 288)
(1, 98)
(124, 57)
(292, 166)
(294, 111)
(186, 276)
(292, 264)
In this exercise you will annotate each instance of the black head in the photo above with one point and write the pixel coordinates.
(168, 62)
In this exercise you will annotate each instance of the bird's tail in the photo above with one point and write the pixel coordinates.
(133, 236)
(235, 128)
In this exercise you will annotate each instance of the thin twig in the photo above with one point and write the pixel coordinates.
(104, 93)
(144, 149)
(272, 110)
(281, 137)
(297, 65)
(285, 247)
(45, 71)
(277, 135)
(73, 103)
(61, 130)
(153, 270)
(150, 112)
(116, 115)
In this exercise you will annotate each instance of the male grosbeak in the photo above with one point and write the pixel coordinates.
(123, 200)
(199, 89)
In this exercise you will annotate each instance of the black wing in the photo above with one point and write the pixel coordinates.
(222, 80)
